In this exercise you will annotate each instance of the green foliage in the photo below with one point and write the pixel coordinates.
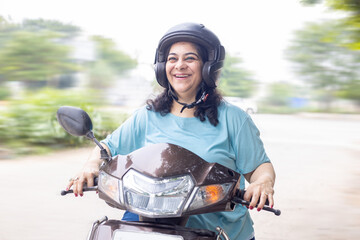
(37, 53)
(279, 94)
(110, 62)
(38, 25)
(350, 23)
(4, 92)
(323, 62)
(29, 125)
(34, 52)
(236, 81)
(101, 75)
(350, 90)
(119, 61)
(344, 5)
(310, 2)
(34, 57)
(6, 30)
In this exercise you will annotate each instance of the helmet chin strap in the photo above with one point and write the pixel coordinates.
(202, 99)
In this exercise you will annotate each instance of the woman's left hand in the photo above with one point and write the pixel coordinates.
(261, 186)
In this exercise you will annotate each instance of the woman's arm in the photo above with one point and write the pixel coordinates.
(262, 181)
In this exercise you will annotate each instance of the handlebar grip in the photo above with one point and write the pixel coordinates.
(96, 181)
(239, 199)
(85, 188)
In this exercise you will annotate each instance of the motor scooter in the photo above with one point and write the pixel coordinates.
(163, 183)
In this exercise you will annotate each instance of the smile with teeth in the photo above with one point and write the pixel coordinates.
(181, 75)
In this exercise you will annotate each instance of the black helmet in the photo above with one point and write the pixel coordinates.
(196, 33)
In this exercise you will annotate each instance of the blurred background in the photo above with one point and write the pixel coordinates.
(293, 65)
(284, 57)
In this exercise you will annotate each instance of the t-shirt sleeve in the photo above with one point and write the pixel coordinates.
(248, 147)
(129, 136)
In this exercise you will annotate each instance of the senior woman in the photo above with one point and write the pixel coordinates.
(191, 113)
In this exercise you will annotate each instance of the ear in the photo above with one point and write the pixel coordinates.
(160, 74)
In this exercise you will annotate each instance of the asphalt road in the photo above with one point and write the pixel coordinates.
(316, 157)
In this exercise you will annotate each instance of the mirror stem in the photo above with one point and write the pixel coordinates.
(99, 144)
(104, 154)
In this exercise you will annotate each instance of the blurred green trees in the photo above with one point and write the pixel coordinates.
(39, 54)
(326, 55)
(235, 81)
(34, 51)
(109, 63)
(39, 51)
(107, 52)
(65, 31)
(279, 94)
(324, 63)
(350, 24)
(30, 57)
(29, 125)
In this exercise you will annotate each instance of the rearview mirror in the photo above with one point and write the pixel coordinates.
(78, 123)
(75, 121)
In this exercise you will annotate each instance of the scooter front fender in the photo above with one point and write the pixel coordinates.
(123, 230)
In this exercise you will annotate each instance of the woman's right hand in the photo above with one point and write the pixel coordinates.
(88, 173)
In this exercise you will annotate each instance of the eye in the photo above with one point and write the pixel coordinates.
(172, 59)
(190, 59)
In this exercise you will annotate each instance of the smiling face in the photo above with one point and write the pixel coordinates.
(183, 70)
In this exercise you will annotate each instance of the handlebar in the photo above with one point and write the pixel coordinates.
(85, 188)
(239, 199)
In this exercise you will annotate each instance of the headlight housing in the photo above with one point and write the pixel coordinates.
(160, 197)
(156, 197)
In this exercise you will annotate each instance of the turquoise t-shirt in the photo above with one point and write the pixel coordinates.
(234, 143)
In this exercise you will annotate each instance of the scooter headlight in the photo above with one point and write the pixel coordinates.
(210, 194)
(156, 197)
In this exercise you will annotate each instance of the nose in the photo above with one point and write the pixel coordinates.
(180, 64)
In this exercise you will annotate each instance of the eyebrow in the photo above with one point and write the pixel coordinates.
(186, 54)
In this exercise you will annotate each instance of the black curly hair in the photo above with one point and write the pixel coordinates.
(164, 101)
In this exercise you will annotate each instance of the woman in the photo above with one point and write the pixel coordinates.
(191, 113)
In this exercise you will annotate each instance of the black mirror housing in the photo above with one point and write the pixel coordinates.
(74, 120)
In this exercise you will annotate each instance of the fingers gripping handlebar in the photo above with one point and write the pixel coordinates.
(239, 199)
(85, 188)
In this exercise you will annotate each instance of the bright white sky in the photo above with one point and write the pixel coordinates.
(256, 30)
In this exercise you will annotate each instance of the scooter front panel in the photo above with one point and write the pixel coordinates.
(122, 230)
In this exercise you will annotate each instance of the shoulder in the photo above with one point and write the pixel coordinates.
(143, 111)
(144, 114)
(231, 113)
(139, 115)
(140, 111)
